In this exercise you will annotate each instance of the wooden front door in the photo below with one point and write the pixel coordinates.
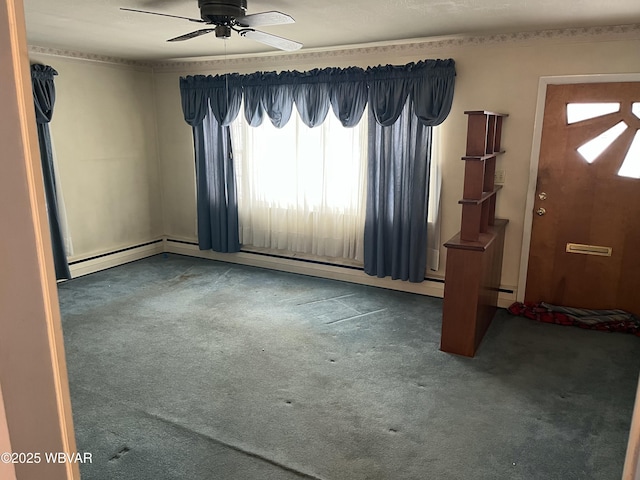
(585, 242)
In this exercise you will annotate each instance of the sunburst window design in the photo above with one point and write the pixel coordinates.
(591, 150)
(594, 147)
(578, 112)
(631, 165)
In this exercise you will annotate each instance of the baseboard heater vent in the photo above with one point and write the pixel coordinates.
(95, 257)
(304, 260)
(102, 261)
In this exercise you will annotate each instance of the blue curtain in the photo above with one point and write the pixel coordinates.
(44, 97)
(404, 103)
(399, 159)
(209, 111)
(403, 109)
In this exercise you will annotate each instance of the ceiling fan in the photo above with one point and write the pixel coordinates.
(228, 15)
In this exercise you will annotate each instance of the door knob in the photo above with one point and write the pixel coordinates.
(541, 211)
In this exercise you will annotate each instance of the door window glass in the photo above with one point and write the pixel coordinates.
(594, 147)
(577, 112)
(591, 150)
(631, 165)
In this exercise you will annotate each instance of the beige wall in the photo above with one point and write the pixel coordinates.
(104, 134)
(500, 76)
(176, 160)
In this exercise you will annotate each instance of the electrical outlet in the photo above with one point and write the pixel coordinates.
(500, 176)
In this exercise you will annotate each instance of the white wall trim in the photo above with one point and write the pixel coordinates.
(119, 257)
(535, 156)
(90, 57)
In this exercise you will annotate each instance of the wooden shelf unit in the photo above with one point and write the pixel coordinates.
(484, 132)
(474, 255)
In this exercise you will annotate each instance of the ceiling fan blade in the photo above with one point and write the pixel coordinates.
(272, 40)
(163, 15)
(264, 18)
(195, 34)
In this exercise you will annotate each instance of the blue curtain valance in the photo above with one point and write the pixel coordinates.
(44, 92)
(347, 91)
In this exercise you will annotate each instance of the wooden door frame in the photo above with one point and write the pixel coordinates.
(36, 403)
(632, 462)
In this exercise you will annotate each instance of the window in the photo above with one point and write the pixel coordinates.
(302, 189)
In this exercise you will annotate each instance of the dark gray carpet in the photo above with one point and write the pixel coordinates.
(185, 368)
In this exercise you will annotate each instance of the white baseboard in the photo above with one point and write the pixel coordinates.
(116, 258)
(434, 289)
(505, 299)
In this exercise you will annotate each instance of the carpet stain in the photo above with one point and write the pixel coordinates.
(186, 275)
(121, 453)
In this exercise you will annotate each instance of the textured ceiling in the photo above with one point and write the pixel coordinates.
(99, 27)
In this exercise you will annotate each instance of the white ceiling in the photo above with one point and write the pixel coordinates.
(99, 27)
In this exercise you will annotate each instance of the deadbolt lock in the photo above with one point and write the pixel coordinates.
(542, 196)
(541, 211)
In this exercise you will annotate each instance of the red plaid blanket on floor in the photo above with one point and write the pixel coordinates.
(603, 320)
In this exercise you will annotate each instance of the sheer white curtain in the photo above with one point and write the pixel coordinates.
(434, 217)
(62, 211)
(302, 189)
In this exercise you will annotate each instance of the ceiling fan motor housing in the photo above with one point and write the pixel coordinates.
(222, 12)
(223, 31)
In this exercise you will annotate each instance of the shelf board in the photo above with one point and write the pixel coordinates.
(483, 242)
(485, 196)
(482, 158)
(485, 112)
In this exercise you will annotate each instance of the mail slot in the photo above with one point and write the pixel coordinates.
(589, 249)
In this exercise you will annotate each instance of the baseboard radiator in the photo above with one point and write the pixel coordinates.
(433, 288)
(103, 261)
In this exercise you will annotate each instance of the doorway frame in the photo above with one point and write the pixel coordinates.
(632, 460)
(36, 412)
(543, 83)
